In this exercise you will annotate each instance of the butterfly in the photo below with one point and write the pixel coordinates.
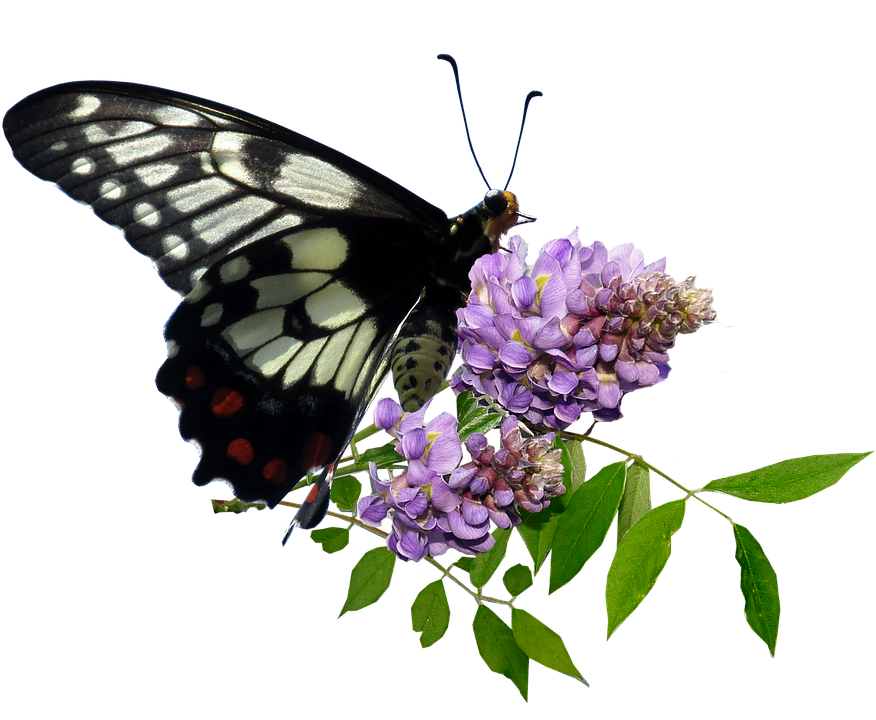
(304, 274)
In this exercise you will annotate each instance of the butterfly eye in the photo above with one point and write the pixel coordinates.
(496, 202)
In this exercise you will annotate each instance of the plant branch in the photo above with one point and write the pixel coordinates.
(639, 459)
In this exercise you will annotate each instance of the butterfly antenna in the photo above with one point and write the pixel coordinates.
(449, 58)
(533, 94)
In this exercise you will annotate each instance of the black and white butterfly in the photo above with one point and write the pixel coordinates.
(298, 267)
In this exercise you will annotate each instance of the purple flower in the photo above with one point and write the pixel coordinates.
(437, 504)
(582, 329)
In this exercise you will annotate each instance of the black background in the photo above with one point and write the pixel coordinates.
(704, 172)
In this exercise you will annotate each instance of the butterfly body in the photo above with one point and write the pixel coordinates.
(297, 266)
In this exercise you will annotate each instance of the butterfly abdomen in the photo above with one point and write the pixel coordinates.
(425, 347)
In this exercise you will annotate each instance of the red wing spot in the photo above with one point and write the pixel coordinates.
(316, 451)
(314, 491)
(225, 402)
(274, 471)
(240, 450)
(195, 377)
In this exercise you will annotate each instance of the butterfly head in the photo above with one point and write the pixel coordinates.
(473, 234)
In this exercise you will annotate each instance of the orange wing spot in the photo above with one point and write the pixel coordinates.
(195, 377)
(275, 470)
(316, 451)
(225, 402)
(240, 450)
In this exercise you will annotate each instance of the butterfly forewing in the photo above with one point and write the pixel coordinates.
(188, 180)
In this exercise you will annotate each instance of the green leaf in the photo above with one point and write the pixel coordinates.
(369, 579)
(788, 480)
(331, 539)
(639, 559)
(463, 562)
(542, 644)
(473, 418)
(574, 464)
(585, 523)
(430, 613)
(487, 563)
(636, 500)
(760, 587)
(517, 579)
(345, 492)
(499, 650)
(233, 506)
(537, 529)
(383, 456)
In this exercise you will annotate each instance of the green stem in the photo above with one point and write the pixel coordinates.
(376, 531)
(639, 459)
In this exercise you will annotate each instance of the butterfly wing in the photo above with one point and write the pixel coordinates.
(297, 262)
(188, 180)
(277, 352)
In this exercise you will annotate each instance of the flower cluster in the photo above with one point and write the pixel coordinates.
(582, 329)
(437, 504)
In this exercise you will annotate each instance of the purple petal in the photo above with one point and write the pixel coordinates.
(372, 510)
(461, 529)
(473, 513)
(444, 497)
(413, 443)
(563, 382)
(387, 413)
(524, 291)
(413, 546)
(445, 449)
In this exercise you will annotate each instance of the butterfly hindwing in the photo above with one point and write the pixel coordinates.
(276, 353)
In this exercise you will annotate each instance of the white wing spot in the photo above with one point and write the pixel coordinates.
(227, 152)
(320, 249)
(156, 173)
(217, 225)
(316, 182)
(83, 166)
(234, 269)
(273, 357)
(211, 315)
(207, 165)
(284, 289)
(196, 275)
(177, 117)
(131, 152)
(172, 348)
(111, 190)
(198, 293)
(87, 104)
(302, 362)
(102, 133)
(175, 247)
(58, 146)
(146, 214)
(330, 358)
(334, 306)
(354, 359)
(255, 330)
(194, 195)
